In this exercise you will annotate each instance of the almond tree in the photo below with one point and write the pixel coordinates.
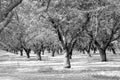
(67, 18)
(68, 33)
(107, 29)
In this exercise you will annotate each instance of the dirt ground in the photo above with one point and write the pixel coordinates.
(15, 67)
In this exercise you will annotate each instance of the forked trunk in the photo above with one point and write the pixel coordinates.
(103, 55)
(67, 60)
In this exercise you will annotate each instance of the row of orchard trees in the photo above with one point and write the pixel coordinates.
(61, 25)
(75, 21)
(26, 32)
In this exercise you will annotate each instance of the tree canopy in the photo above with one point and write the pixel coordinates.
(58, 25)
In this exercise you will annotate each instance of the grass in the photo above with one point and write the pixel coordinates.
(14, 67)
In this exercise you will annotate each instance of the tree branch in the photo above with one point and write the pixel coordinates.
(116, 38)
(5, 13)
(12, 6)
(6, 22)
(48, 5)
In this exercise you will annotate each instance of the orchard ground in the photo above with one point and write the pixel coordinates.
(15, 67)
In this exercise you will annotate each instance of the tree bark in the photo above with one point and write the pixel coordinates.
(70, 54)
(67, 60)
(113, 50)
(88, 52)
(58, 51)
(103, 55)
(15, 51)
(83, 51)
(43, 51)
(21, 52)
(27, 52)
(94, 51)
(48, 50)
(39, 55)
(53, 53)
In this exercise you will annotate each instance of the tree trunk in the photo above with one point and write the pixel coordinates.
(83, 51)
(43, 51)
(35, 51)
(61, 50)
(53, 53)
(67, 60)
(48, 50)
(103, 55)
(88, 52)
(113, 50)
(39, 55)
(21, 52)
(28, 54)
(70, 54)
(16, 52)
(58, 51)
(94, 51)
